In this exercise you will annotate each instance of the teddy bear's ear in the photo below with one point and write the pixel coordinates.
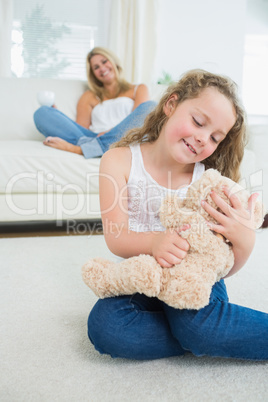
(259, 214)
(243, 195)
(212, 179)
(200, 189)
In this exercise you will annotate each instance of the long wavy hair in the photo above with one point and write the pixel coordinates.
(229, 153)
(94, 84)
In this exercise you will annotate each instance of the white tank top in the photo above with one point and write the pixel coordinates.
(109, 113)
(145, 194)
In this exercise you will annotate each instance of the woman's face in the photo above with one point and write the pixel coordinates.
(102, 69)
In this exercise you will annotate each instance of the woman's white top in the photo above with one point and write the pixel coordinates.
(107, 114)
(145, 194)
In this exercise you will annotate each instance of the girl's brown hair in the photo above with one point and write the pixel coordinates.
(229, 153)
(94, 84)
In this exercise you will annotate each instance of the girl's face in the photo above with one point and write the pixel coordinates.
(196, 126)
(102, 69)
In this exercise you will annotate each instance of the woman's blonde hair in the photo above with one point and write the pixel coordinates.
(229, 153)
(94, 84)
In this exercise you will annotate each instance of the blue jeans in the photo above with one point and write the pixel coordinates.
(51, 122)
(139, 327)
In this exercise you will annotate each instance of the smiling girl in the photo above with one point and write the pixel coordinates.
(198, 124)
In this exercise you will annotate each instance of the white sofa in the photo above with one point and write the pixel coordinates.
(38, 183)
(41, 184)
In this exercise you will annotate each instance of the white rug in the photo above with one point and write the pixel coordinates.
(45, 352)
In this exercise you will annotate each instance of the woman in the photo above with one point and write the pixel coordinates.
(105, 112)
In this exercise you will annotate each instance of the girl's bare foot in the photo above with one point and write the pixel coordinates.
(59, 143)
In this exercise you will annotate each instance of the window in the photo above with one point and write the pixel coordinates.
(52, 39)
(255, 75)
(255, 72)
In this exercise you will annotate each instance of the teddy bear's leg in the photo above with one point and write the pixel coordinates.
(95, 274)
(140, 274)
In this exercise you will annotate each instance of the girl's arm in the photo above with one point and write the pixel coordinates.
(84, 109)
(167, 247)
(236, 224)
(142, 95)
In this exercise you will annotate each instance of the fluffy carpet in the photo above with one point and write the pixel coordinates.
(45, 352)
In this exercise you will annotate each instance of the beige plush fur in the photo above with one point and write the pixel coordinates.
(188, 284)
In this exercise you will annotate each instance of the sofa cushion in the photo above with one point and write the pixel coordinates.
(30, 167)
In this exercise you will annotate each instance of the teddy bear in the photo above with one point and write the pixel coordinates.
(210, 257)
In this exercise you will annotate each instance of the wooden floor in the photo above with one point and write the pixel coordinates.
(45, 229)
(85, 230)
(46, 234)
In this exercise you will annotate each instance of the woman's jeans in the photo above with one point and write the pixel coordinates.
(51, 122)
(139, 327)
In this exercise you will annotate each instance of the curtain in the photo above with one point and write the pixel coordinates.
(5, 37)
(132, 37)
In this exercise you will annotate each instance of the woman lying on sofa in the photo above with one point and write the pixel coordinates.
(105, 113)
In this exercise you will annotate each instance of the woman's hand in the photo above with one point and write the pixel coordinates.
(235, 223)
(169, 248)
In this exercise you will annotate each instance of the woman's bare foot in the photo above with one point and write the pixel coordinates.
(59, 143)
(104, 132)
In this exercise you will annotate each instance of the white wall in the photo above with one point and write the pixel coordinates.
(205, 34)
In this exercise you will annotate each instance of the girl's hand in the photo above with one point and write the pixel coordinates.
(235, 223)
(169, 248)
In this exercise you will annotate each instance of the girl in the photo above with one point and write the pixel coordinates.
(198, 124)
(112, 106)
